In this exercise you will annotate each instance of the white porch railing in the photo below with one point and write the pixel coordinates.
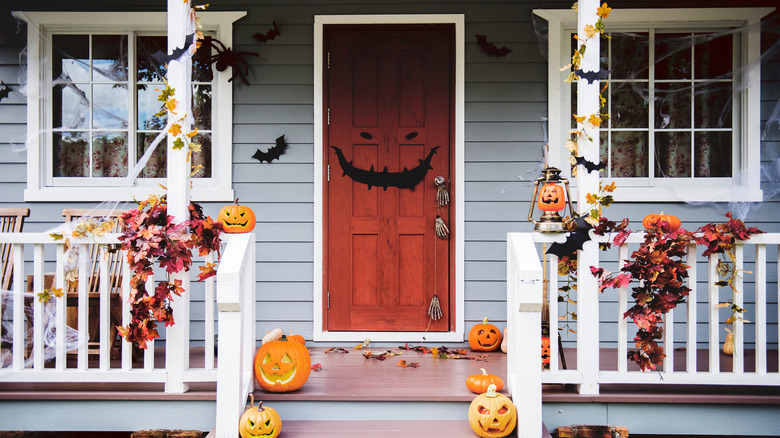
(38, 342)
(686, 327)
(236, 303)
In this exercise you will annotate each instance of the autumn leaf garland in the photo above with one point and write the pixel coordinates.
(151, 236)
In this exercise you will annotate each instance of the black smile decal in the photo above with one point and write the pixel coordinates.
(406, 179)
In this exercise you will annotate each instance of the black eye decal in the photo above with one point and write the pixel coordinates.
(411, 135)
(366, 135)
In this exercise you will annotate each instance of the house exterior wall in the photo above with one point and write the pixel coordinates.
(505, 103)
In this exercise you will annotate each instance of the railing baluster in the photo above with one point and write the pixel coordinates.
(209, 316)
(552, 300)
(714, 301)
(760, 317)
(105, 301)
(20, 330)
(691, 346)
(38, 318)
(127, 347)
(622, 324)
(62, 310)
(83, 308)
(738, 326)
(149, 352)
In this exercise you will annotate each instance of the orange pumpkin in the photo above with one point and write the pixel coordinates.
(237, 218)
(479, 383)
(492, 415)
(484, 337)
(551, 198)
(282, 366)
(296, 338)
(654, 220)
(259, 421)
(546, 350)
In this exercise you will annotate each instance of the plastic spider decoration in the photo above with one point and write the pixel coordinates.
(225, 58)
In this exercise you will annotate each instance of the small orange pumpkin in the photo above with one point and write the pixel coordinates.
(492, 415)
(484, 337)
(296, 338)
(551, 198)
(282, 366)
(259, 421)
(479, 383)
(654, 220)
(546, 351)
(237, 218)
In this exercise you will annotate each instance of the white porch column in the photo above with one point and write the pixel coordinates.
(178, 183)
(588, 182)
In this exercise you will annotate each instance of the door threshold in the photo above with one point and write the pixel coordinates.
(334, 336)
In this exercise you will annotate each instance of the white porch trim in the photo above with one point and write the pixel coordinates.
(458, 181)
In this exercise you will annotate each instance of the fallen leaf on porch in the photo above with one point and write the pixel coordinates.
(404, 364)
(316, 367)
(335, 350)
(368, 354)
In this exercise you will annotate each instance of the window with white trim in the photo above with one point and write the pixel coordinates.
(92, 93)
(683, 95)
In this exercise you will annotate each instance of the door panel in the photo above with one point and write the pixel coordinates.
(389, 95)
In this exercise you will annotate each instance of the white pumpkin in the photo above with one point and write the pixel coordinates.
(273, 335)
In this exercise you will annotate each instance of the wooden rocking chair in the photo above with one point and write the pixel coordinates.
(11, 221)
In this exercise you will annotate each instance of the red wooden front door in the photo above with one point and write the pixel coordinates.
(389, 97)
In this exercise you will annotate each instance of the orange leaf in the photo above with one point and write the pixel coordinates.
(175, 129)
(603, 11)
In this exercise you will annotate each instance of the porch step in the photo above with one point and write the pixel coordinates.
(377, 429)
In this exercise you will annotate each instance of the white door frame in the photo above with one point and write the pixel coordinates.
(457, 184)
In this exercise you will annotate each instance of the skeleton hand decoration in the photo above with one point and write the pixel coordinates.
(442, 196)
(442, 232)
(434, 310)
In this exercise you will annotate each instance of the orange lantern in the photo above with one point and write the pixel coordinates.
(552, 197)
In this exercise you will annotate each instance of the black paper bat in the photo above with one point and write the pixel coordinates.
(574, 240)
(268, 36)
(589, 165)
(273, 153)
(5, 91)
(403, 180)
(593, 75)
(164, 58)
(491, 49)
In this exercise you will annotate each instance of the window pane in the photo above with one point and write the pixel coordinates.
(201, 106)
(713, 154)
(201, 68)
(629, 106)
(672, 56)
(204, 156)
(713, 105)
(148, 106)
(70, 106)
(149, 70)
(109, 58)
(712, 57)
(629, 154)
(71, 57)
(109, 106)
(71, 154)
(673, 154)
(155, 167)
(109, 154)
(672, 105)
(630, 55)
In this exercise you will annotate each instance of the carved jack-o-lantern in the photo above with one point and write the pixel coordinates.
(545, 349)
(551, 198)
(484, 337)
(237, 218)
(259, 422)
(282, 366)
(492, 415)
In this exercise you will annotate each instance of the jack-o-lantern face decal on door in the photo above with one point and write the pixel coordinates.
(282, 366)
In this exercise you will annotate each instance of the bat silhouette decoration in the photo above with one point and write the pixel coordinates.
(407, 179)
(491, 49)
(589, 165)
(164, 58)
(591, 76)
(273, 153)
(574, 240)
(5, 91)
(268, 36)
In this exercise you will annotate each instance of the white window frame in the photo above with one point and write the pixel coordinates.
(745, 183)
(40, 27)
